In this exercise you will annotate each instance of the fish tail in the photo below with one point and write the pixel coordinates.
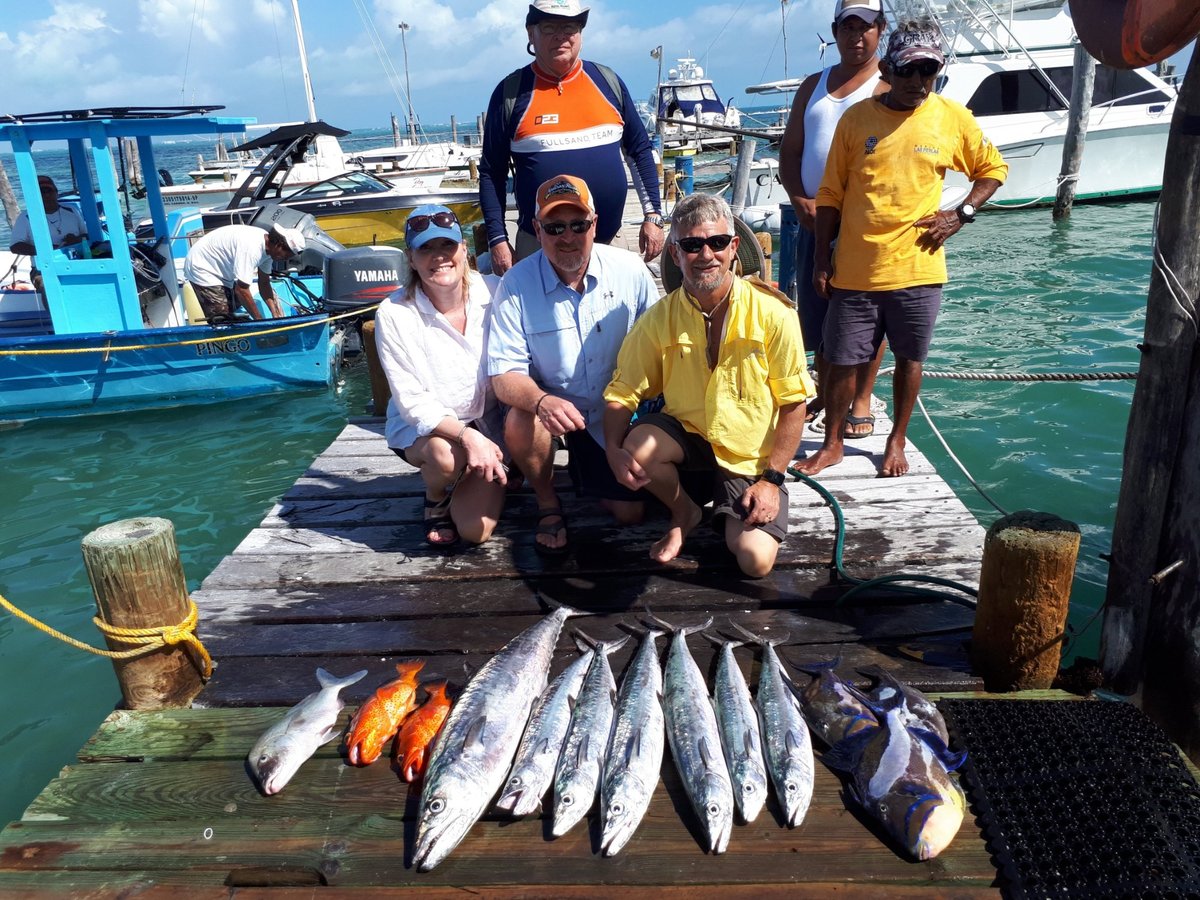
(561, 608)
(436, 689)
(683, 630)
(410, 668)
(760, 639)
(719, 640)
(818, 666)
(326, 680)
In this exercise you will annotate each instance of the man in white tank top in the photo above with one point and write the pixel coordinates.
(857, 29)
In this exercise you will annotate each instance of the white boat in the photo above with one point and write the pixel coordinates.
(687, 93)
(1011, 65)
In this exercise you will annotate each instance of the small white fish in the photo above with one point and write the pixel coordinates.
(290, 742)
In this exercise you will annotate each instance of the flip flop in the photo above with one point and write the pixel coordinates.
(551, 531)
(437, 519)
(853, 421)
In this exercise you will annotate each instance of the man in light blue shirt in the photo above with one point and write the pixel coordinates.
(558, 321)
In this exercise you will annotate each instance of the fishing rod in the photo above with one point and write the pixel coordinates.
(725, 129)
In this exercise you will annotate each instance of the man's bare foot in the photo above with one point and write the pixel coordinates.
(894, 461)
(822, 459)
(667, 547)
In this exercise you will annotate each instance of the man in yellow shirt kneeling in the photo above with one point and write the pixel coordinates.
(729, 361)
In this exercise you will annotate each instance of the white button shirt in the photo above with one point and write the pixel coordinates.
(433, 370)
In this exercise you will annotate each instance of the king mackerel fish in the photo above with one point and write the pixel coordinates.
(695, 739)
(475, 749)
(742, 737)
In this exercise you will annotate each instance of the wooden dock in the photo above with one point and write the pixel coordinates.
(337, 576)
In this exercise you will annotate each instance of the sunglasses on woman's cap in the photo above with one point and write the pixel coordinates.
(926, 67)
(715, 242)
(417, 224)
(579, 226)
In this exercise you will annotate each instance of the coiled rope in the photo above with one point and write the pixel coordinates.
(144, 640)
(207, 340)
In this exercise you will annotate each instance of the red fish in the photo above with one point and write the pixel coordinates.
(378, 719)
(419, 729)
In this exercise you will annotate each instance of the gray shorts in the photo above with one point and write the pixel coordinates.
(858, 321)
(704, 480)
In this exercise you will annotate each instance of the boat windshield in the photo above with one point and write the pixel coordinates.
(344, 185)
(686, 97)
(1025, 91)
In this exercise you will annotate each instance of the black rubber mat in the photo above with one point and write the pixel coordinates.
(1079, 799)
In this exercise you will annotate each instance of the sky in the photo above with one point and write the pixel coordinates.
(242, 54)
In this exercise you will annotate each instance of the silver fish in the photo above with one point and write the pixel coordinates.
(833, 708)
(789, 745)
(633, 763)
(924, 711)
(533, 771)
(577, 776)
(696, 740)
(476, 745)
(900, 774)
(740, 734)
(290, 742)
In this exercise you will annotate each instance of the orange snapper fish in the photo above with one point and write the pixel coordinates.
(378, 719)
(419, 730)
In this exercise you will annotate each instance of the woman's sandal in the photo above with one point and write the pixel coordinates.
(550, 530)
(437, 520)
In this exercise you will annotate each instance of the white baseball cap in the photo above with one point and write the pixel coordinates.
(867, 10)
(540, 10)
(292, 237)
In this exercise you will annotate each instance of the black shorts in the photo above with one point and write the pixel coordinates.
(705, 481)
(590, 472)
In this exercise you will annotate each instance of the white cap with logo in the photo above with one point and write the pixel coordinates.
(292, 237)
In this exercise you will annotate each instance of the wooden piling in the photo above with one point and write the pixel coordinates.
(381, 392)
(1024, 592)
(138, 582)
(1082, 82)
(741, 175)
(11, 209)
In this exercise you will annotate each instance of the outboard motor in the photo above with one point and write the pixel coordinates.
(318, 244)
(363, 276)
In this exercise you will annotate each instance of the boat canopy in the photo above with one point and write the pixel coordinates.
(288, 133)
(103, 292)
(681, 100)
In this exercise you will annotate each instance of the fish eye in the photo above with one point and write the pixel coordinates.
(436, 805)
(883, 808)
(616, 809)
(790, 787)
(747, 789)
(714, 809)
(515, 781)
(567, 800)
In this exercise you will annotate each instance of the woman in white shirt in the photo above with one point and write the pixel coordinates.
(443, 417)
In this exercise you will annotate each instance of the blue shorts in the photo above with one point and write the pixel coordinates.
(811, 305)
(858, 321)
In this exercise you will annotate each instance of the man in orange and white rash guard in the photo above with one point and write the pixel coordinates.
(561, 115)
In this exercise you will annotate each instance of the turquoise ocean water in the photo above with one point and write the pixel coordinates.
(1026, 295)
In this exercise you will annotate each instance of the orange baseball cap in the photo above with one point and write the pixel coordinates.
(564, 189)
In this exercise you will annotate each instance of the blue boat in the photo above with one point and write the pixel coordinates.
(109, 329)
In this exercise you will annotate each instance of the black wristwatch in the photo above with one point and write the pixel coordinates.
(772, 475)
(966, 213)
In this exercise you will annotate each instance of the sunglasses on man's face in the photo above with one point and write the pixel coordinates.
(715, 242)
(549, 29)
(579, 226)
(417, 224)
(926, 68)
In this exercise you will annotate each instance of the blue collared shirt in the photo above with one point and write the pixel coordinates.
(566, 341)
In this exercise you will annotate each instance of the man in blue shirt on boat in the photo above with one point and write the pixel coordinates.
(558, 321)
(564, 115)
(222, 263)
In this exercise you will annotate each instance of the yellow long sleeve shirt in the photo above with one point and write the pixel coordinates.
(735, 407)
(884, 172)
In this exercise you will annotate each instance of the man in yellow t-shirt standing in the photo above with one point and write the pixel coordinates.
(729, 361)
(880, 195)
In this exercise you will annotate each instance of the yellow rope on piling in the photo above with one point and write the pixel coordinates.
(208, 340)
(146, 640)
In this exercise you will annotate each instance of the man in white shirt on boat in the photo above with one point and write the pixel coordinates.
(858, 26)
(66, 224)
(221, 265)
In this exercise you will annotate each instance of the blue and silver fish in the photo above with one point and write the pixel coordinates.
(741, 736)
(633, 763)
(924, 711)
(581, 763)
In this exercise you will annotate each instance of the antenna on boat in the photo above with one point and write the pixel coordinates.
(308, 91)
(412, 121)
(783, 23)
